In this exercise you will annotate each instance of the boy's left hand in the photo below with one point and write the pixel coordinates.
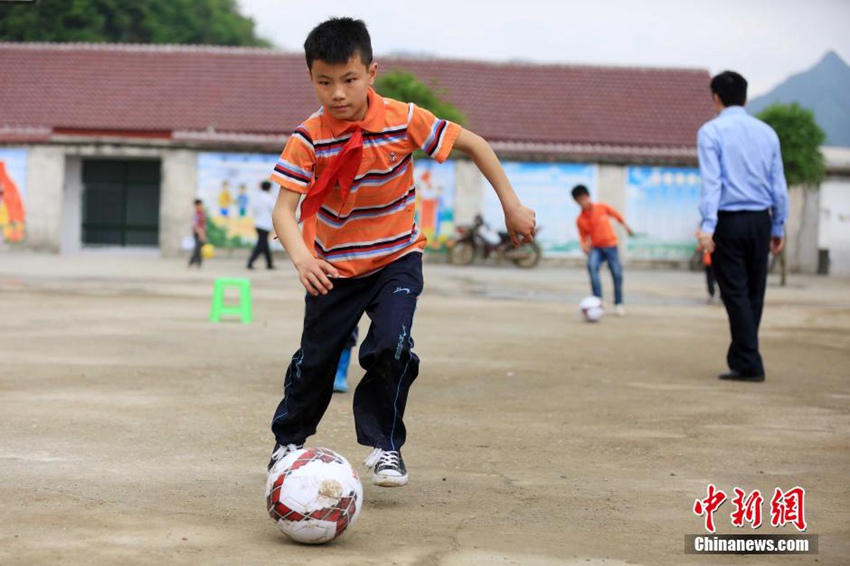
(520, 222)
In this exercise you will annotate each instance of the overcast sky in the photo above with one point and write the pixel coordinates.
(765, 40)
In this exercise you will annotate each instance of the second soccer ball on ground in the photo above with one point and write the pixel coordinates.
(591, 308)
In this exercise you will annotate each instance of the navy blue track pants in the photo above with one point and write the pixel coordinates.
(388, 297)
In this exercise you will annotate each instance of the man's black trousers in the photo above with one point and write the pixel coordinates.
(740, 261)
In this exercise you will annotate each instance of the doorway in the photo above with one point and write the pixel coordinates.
(121, 202)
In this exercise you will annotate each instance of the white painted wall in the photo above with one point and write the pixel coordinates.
(834, 233)
(54, 202)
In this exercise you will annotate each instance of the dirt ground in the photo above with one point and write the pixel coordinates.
(136, 432)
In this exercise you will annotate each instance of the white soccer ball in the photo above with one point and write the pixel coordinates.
(313, 495)
(591, 308)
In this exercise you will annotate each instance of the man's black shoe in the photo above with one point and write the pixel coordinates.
(738, 376)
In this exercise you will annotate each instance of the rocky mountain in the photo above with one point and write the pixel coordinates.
(824, 89)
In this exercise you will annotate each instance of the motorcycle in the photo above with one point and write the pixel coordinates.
(471, 243)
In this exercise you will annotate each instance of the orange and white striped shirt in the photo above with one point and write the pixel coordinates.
(375, 225)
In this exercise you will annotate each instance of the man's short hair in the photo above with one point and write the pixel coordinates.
(336, 40)
(730, 87)
(266, 185)
(580, 190)
(198, 201)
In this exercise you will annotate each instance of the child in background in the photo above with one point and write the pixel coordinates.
(341, 380)
(199, 233)
(599, 243)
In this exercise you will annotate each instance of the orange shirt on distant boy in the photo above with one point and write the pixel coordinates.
(594, 222)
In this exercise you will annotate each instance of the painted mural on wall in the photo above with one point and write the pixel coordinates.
(227, 184)
(546, 188)
(662, 207)
(13, 178)
(435, 201)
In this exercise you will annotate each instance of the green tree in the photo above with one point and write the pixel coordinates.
(209, 22)
(405, 87)
(800, 138)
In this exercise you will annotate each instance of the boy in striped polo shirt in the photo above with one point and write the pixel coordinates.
(359, 249)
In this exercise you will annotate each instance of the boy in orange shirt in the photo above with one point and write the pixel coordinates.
(360, 249)
(599, 243)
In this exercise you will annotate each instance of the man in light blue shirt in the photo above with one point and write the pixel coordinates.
(744, 205)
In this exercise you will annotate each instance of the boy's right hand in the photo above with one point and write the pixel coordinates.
(521, 223)
(314, 274)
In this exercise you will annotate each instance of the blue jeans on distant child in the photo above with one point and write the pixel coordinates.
(594, 263)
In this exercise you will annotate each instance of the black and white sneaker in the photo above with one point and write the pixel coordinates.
(388, 469)
(280, 451)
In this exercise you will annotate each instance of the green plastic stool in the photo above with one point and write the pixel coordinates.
(243, 309)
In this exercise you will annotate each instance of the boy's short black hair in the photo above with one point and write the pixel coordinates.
(198, 201)
(266, 185)
(336, 40)
(580, 190)
(730, 87)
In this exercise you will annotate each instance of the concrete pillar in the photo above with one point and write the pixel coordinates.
(801, 230)
(178, 189)
(611, 189)
(44, 199)
(469, 191)
(72, 206)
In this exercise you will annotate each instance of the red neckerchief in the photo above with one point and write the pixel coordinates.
(341, 170)
(343, 167)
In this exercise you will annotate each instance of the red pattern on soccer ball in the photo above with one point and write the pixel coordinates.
(340, 513)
